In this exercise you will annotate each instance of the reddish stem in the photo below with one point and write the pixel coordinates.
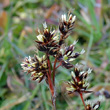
(54, 70)
(58, 65)
(50, 85)
(48, 60)
(81, 95)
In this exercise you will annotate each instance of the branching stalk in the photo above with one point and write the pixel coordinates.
(58, 65)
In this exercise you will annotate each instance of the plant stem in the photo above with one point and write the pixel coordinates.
(51, 86)
(49, 77)
(48, 60)
(54, 67)
(58, 65)
(52, 91)
(81, 95)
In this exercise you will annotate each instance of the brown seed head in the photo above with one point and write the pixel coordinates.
(36, 66)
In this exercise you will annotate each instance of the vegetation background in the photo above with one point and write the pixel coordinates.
(19, 22)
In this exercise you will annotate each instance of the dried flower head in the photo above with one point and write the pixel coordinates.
(66, 24)
(79, 83)
(48, 41)
(90, 106)
(67, 55)
(36, 66)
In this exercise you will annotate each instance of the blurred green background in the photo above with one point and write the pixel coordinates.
(19, 22)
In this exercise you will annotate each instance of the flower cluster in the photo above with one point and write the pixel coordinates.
(67, 55)
(52, 44)
(66, 25)
(48, 41)
(79, 83)
(36, 66)
(90, 106)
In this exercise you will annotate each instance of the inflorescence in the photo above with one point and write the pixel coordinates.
(52, 43)
(79, 81)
